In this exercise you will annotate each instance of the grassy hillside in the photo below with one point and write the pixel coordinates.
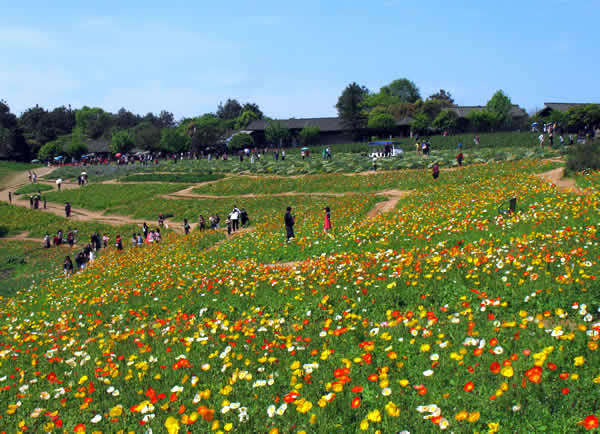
(442, 314)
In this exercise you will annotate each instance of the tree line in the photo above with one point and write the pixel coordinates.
(362, 110)
(43, 134)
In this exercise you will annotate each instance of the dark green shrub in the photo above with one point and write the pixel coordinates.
(584, 156)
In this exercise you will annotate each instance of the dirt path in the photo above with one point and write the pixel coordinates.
(389, 205)
(563, 185)
(21, 237)
(187, 193)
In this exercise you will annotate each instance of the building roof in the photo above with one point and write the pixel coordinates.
(464, 110)
(562, 106)
(324, 124)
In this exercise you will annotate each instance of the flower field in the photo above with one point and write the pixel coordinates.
(441, 315)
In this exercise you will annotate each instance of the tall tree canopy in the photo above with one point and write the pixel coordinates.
(230, 110)
(204, 131)
(350, 107)
(443, 96)
(12, 142)
(403, 89)
(276, 133)
(501, 105)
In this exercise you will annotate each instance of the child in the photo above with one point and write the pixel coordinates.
(68, 266)
(327, 224)
(228, 223)
(119, 242)
(435, 170)
(105, 240)
(459, 158)
(186, 226)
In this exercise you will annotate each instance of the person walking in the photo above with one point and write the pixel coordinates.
(9, 197)
(235, 218)
(47, 241)
(289, 222)
(68, 266)
(119, 242)
(68, 209)
(58, 183)
(70, 238)
(201, 223)
(45, 202)
(327, 223)
(459, 158)
(435, 170)
(145, 230)
(186, 226)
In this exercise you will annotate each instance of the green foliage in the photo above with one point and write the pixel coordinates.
(500, 105)
(205, 131)
(245, 118)
(579, 117)
(121, 141)
(381, 122)
(33, 188)
(172, 140)
(403, 89)
(309, 135)
(50, 150)
(443, 96)
(485, 120)
(93, 122)
(584, 156)
(230, 110)
(276, 133)
(350, 107)
(421, 123)
(147, 136)
(75, 146)
(172, 177)
(241, 141)
(446, 120)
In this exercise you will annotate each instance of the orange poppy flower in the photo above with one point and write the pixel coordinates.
(590, 422)
(495, 367)
(469, 386)
(355, 402)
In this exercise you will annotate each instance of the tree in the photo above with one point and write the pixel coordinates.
(147, 136)
(241, 141)
(37, 127)
(484, 120)
(172, 140)
(501, 105)
(245, 118)
(584, 116)
(93, 122)
(276, 133)
(76, 146)
(404, 89)
(446, 120)
(309, 135)
(443, 96)
(124, 119)
(420, 123)
(121, 142)
(383, 123)
(166, 120)
(12, 142)
(204, 131)
(250, 106)
(230, 110)
(431, 107)
(50, 150)
(350, 108)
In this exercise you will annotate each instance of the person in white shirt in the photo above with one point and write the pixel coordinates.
(234, 217)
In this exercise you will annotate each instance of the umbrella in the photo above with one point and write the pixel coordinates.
(304, 149)
(58, 181)
(118, 154)
(35, 161)
(84, 173)
(60, 157)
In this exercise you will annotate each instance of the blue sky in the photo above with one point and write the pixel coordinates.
(293, 58)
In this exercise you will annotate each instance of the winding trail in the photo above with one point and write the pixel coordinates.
(563, 185)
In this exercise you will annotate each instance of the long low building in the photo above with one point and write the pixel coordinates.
(332, 131)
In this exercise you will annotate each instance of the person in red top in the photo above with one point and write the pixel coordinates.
(327, 224)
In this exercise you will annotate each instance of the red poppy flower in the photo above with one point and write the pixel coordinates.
(590, 422)
(565, 391)
(357, 389)
(469, 386)
(355, 402)
(495, 367)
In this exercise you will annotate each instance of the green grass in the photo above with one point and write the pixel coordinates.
(8, 168)
(109, 196)
(36, 223)
(23, 263)
(33, 188)
(172, 177)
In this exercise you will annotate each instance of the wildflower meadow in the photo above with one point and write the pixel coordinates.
(446, 313)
